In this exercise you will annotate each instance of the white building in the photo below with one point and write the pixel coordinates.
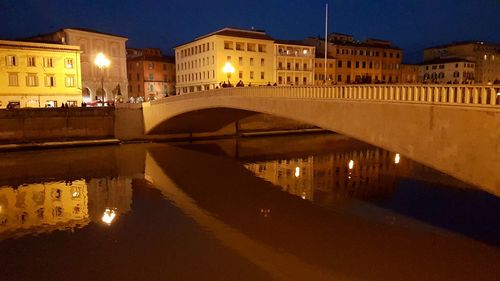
(447, 71)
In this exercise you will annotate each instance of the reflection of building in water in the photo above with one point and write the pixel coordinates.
(329, 177)
(42, 207)
(109, 194)
(295, 175)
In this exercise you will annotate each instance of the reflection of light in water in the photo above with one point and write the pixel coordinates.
(351, 164)
(265, 212)
(75, 194)
(108, 216)
(297, 172)
(397, 158)
(1, 208)
(303, 195)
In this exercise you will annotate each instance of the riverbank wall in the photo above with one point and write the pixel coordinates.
(125, 123)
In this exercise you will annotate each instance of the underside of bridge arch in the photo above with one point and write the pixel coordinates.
(215, 119)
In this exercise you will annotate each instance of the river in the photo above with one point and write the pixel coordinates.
(304, 207)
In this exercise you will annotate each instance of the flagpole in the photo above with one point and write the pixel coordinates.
(326, 37)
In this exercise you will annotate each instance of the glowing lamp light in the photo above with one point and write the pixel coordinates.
(101, 60)
(108, 216)
(304, 52)
(297, 172)
(351, 164)
(228, 68)
(397, 158)
(303, 195)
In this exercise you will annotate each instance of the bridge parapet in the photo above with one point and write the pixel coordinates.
(464, 95)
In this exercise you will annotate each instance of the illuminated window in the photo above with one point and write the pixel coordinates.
(48, 62)
(13, 79)
(50, 81)
(31, 61)
(31, 80)
(11, 60)
(69, 81)
(68, 63)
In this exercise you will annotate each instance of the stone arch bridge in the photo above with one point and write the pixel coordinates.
(453, 128)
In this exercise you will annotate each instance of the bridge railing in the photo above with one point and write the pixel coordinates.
(469, 95)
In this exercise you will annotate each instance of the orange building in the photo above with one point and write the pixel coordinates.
(370, 61)
(409, 73)
(150, 74)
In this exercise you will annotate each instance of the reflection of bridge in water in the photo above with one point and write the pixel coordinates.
(295, 240)
(455, 129)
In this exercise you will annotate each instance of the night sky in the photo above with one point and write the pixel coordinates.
(410, 24)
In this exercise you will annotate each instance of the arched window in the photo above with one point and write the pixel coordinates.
(456, 74)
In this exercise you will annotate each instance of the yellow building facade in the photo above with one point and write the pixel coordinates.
(294, 63)
(319, 70)
(39, 74)
(200, 63)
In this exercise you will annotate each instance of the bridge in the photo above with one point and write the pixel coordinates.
(453, 128)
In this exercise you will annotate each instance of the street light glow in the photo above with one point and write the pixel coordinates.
(102, 61)
(351, 164)
(228, 68)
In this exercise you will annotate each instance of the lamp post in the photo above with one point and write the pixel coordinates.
(102, 61)
(228, 69)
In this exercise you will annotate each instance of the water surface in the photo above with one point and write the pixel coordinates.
(316, 207)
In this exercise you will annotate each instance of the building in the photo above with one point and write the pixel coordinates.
(294, 62)
(409, 73)
(447, 71)
(150, 74)
(39, 75)
(370, 61)
(200, 64)
(92, 43)
(486, 57)
(319, 70)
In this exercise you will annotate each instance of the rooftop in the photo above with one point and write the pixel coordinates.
(458, 43)
(166, 59)
(239, 32)
(445, 60)
(292, 42)
(33, 45)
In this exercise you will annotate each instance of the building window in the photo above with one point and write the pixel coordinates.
(151, 88)
(13, 79)
(138, 88)
(288, 66)
(68, 63)
(31, 61)
(251, 61)
(339, 78)
(50, 81)
(251, 74)
(151, 65)
(240, 74)
(357, 64)
(262, 75)
(251, 47)
(371, 65)
(240, 46)
(262, 62)
(364, 64)
(348, 64)
(305, 66)
(31, 80)
(304, 80)
(228, 45)
(70, 81)
(339, 64)
(297, 66)
(151, 77)
(240, 61)
(280, 80)
(48, 62)
(262, 48)
(11, 60)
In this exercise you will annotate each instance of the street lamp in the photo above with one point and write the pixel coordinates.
(228, 69)
(102, 61)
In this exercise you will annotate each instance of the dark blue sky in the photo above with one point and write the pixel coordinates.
(410, 24)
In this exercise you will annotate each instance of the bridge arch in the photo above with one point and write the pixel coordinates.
(432, 125)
